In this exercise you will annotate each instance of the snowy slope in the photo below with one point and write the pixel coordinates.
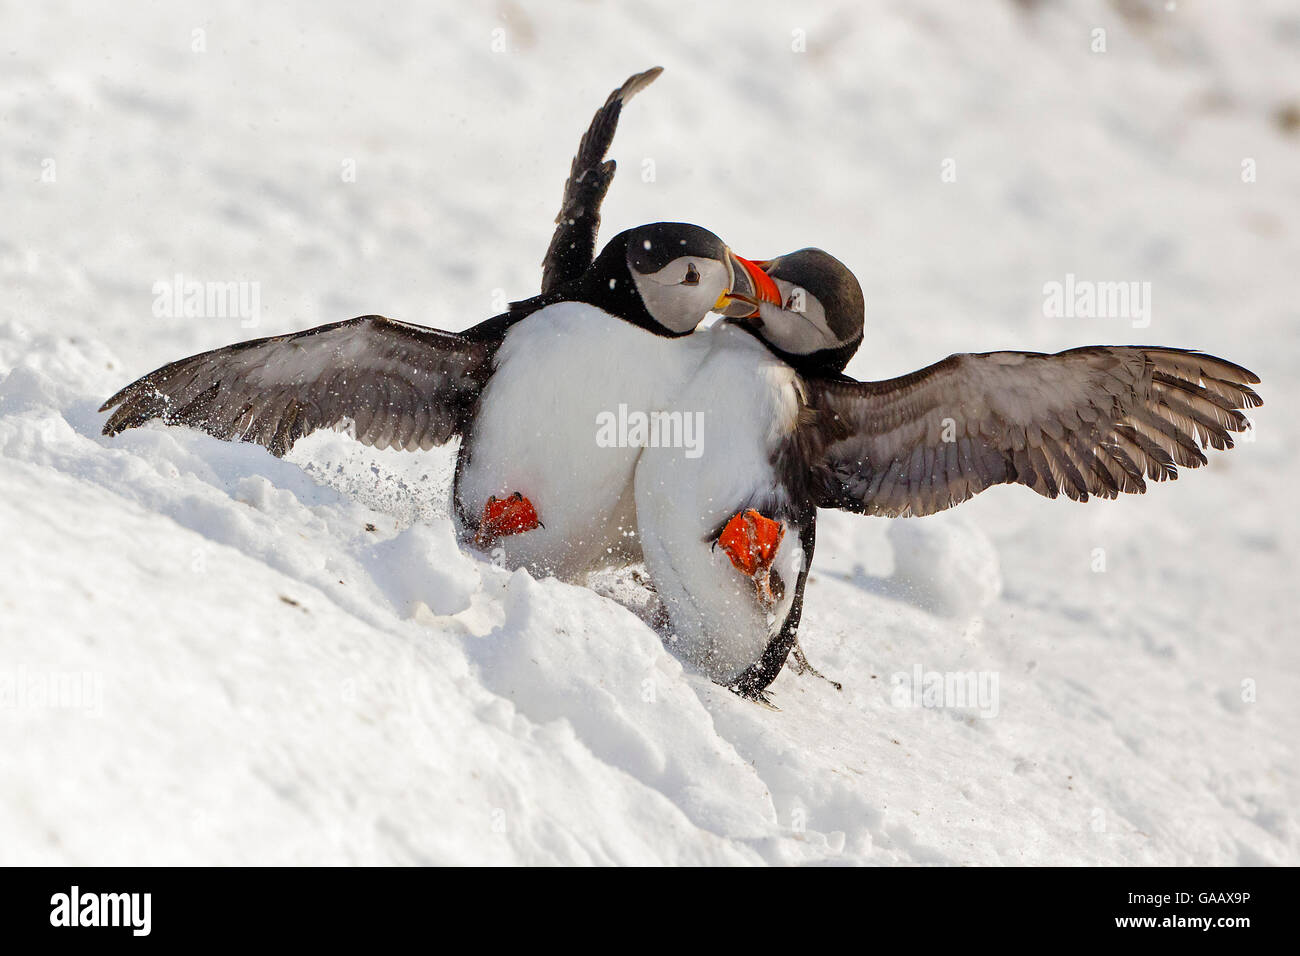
(211, 656)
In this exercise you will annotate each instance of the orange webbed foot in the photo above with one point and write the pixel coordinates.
(751, 541)
(504, 516)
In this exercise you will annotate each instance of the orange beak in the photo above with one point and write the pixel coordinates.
(761, 289)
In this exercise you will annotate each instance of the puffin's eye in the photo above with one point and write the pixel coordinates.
(692, 275)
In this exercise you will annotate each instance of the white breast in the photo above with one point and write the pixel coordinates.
(557, 373)
(749, 402)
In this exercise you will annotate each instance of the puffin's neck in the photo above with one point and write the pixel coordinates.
(826, 363)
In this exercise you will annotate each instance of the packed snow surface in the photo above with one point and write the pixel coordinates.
(208, 655)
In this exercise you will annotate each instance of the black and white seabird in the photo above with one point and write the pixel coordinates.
(728, 536)
(519, 388)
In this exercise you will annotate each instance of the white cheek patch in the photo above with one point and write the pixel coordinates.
(797, 332)
(676, 305)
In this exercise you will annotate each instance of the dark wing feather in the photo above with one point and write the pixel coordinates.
(1090, 421)
(573, 246)
(400, 385)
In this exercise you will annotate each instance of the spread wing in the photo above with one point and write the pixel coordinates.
(399, 386)
(573, 246)
(1090, 421)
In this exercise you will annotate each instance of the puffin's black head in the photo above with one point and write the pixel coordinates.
(811, 312)
(665, 275)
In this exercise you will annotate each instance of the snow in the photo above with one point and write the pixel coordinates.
(208, 655)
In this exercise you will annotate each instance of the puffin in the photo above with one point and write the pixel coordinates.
(507, 387)
(728, 536)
